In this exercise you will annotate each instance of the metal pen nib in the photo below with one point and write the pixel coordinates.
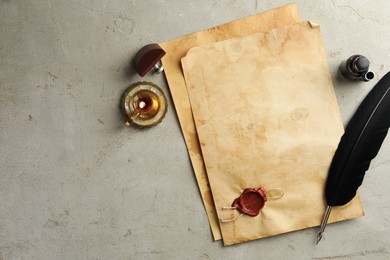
(323, 224)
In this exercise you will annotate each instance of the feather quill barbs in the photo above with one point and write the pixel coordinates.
(360, 144)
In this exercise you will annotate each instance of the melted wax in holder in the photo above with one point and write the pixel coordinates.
(251, 201)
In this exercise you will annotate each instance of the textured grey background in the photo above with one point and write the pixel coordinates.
(76, 184)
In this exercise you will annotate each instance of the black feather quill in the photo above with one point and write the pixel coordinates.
(360, 144)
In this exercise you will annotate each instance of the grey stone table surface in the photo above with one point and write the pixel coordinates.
(76, 184)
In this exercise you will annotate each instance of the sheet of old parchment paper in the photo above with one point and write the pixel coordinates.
(267, 116)
(177, 49)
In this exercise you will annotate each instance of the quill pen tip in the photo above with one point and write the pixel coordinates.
(319, 237)
(323, 224)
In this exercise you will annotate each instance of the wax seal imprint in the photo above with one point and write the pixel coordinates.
(251, 201)
(145, 104)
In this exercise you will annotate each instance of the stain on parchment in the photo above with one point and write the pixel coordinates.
(208, 198)
(299, 113)
(100, 121)
(193, 144)
(30, 118)
(261, 132)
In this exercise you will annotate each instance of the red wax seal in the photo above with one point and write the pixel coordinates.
(251, 201)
